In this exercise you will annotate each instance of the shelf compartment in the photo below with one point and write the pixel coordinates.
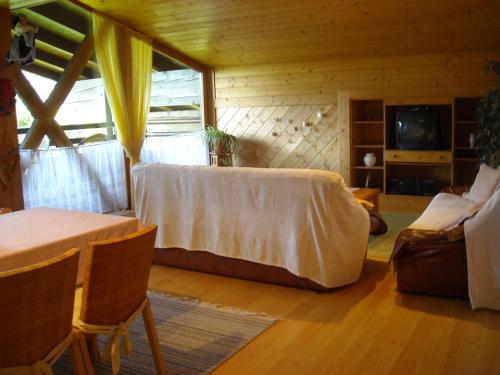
(465, 170)
(439, 173)
(465, 110)
(367, 111)
(374, 176)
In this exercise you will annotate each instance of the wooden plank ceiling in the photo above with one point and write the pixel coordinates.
(62, 28)
(243, 32)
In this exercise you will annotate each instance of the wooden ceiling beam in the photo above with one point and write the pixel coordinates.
(42, 71)
(17, 4)
(53, 50)
(60, 42)
(45, 23)
(162, 63)
(80, 22)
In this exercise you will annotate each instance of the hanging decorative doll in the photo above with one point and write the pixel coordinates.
(22, 50)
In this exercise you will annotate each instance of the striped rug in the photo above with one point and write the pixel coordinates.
(195, 337)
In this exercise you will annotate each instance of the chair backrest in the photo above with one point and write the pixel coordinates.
(116, 274)
(36, 308)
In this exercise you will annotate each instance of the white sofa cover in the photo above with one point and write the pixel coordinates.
(305, 221)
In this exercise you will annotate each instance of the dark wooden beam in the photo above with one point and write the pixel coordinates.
(60, 14)
(41, 71)
(57, 41)
(162, 63)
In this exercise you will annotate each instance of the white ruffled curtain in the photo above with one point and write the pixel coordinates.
(85, 178)
(187, 149)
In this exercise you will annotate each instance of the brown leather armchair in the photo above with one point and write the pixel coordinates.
(432, 262)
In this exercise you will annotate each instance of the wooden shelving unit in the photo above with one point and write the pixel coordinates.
(465, 161)
(367, 136)
(372, 129)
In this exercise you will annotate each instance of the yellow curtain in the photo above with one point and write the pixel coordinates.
(125, 62)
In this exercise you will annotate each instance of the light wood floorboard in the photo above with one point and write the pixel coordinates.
(366, 328)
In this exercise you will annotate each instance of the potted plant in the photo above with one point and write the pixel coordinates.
(221, 146)
(487, 138)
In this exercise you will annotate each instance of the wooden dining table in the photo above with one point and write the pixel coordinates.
(31, 236)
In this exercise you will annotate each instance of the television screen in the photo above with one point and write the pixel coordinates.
(417, 130)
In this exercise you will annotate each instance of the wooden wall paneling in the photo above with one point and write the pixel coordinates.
(233, 118)
(317, 142)
(285, 87)
(294, 132)
(11, 194)
(265, 148)
(264, 116)
(274, 136)
(246, 121)
(323, 153)
(277, 100)
(250, 154)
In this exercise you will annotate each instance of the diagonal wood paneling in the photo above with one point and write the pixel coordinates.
(274, 136)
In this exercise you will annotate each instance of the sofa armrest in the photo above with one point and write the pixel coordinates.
(456, 189)
(416, 240)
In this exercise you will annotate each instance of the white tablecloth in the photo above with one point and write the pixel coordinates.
(32, 236)
(305, 221)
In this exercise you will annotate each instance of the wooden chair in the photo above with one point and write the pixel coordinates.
(36, 310)
(115, 282)
(5, 210)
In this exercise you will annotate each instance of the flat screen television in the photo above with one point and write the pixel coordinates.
(417, 130)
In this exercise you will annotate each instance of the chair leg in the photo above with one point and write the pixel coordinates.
(81, 344)
(76, 355)
(154, 343)
(93, 348)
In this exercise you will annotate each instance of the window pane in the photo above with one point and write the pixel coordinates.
(175, 102)
(43, 87)
(85, 104)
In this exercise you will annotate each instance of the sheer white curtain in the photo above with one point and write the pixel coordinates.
(85, 178)
(188, 149)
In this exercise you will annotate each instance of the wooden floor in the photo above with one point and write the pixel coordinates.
(367, 328)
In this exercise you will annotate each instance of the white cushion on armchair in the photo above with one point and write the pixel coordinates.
(445, 212)
(485, 184)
